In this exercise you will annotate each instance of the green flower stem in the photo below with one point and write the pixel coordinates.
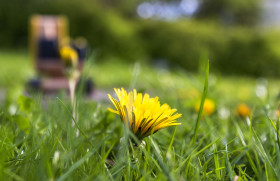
(72, 87)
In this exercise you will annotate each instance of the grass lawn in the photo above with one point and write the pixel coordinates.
(39, 142)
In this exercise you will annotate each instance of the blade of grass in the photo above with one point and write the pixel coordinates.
(193, 154)
(13, 175)
(197, 153)
(274, 126)
(135, 75)
(263, 153)
(205, 90)
(217, 164)
(75, 166)
(266, 172)
(160, 159)
(172, 139)
(241, 137)
(229, 167)
(76, 124)
(81, 161)
(277, 126)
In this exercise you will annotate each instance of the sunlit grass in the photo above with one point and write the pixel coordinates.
(38, 141)
(15, 68)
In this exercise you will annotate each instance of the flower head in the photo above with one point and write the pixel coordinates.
(243, 110)
(69, 56)
(141, 114)
(208, 108)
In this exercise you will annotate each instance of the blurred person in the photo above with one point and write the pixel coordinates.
(48, 40)
(80, 45)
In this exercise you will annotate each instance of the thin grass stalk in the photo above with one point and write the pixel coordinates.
(201, 105)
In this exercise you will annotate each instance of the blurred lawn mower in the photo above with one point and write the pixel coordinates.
(48, 34)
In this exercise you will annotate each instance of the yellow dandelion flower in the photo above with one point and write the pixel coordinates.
(141, 114)
(208, 108)
(243, 110)
(69, 56)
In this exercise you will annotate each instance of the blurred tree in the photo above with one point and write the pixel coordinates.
(245, 12)
(126, 7)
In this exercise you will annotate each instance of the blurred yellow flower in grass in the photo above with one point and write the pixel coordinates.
(243, 110)
(69, 56)
(141, 114)
(208, 108)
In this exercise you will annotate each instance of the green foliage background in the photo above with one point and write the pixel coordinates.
(114, 30)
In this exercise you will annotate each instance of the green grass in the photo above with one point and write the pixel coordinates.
(38, 141)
